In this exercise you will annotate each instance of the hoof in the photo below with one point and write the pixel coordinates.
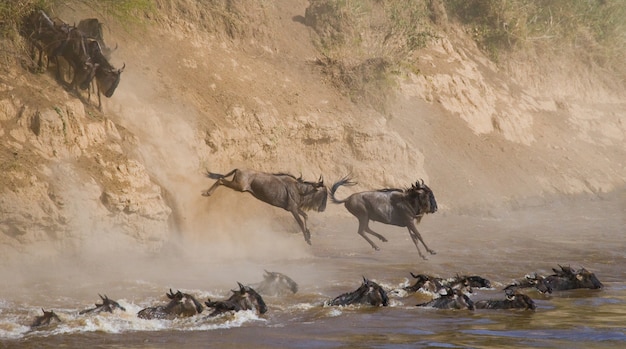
(432, 252)
(377, 248)
(204, 193)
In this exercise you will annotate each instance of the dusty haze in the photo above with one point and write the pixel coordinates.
(117, 193)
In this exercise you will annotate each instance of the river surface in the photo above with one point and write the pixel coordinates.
(502, 247)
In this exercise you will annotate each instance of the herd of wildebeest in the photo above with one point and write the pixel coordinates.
(399, 207)
(447, 293)
(81, 47)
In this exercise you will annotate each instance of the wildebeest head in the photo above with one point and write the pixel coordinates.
(424, 197)
(519, 300)
(568, 278)
(246, 298)
(369, 293)
(182, 304)
(108, 305)
(275, 283)
(45, 319)
(314, 194)
(108, 79)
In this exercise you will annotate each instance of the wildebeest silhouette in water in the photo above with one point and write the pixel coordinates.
(565, 278)
(399, 207)
(434, 284)
(108, 305)
(369, 293)
(452, 299)
(276, 284)
(513, 300)
(279, 189)
(246, 298)
(47, 318)
(180, 305)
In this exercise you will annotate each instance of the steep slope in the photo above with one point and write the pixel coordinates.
(218, 88)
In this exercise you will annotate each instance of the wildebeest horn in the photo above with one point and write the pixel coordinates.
(242, 288)
(122, 68)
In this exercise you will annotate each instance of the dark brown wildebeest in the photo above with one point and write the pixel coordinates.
(58, 39)
(434, 285)
(453, 299)
(246, 298)
(369, 293)
(108, 306)
(513, 300)
(568, 279)
(535, 281)
(93, 30)
(47, 318)
(107, 78)
(180, 305)
(276, 284)
(399, 207)
(278, 189)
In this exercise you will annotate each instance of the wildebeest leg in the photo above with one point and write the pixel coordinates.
(233, 184)
(363, 227)
(302, 223)
(369, 230)
(415, 236)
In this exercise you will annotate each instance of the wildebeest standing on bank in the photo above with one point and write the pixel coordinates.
(399, 207)
(279, 189)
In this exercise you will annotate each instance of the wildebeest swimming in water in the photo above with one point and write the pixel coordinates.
(433, 284)
(108, 305)
(279, 189)
(452, 299)
(246, 298)
(47, 318)
(180, 305)
(369, 293)
(568, 279)
(565, 278)
(399, 207)
(513, 300)
(276, 284)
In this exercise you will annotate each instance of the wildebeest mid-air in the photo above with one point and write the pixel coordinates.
(399, 207)
(277, 189)
(276, 284)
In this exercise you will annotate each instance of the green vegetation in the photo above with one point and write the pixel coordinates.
(594, 30)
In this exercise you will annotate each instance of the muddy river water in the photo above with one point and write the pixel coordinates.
(501, 247)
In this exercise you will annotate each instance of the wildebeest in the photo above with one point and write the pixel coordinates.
(180, 305)
(399, 207)
(278, 189)
(434, 285)
(246, 298)
(47, 318)
(369, 293)
(452, 299)
(276, 284)
(107, 78)
(93, 29)
(513, 300)
(535, 281)
(567, 278)
(108, 305)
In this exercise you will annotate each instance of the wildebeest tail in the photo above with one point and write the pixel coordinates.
(344, 181)
(218, 176)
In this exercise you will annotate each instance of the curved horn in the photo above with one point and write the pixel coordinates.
(242, 288)
(122, 68)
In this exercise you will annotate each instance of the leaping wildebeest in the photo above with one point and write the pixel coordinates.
(278, 189)
(399, 207)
